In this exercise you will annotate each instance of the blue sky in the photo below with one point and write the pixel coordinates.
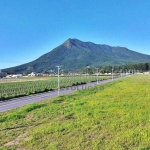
(31, 28)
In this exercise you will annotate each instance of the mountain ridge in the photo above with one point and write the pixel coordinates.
(76, 54)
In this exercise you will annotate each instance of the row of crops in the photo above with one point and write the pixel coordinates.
(17, 89)
(22, 79)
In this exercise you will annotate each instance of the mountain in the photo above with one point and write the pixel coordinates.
(75, 54)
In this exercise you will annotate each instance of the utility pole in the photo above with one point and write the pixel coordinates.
(97, 75)
(58, 67)
(112, 74)
(121, 72)
(88, 67)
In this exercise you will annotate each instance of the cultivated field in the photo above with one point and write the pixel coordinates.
(23, 79)
(115, 118)
(24, 87)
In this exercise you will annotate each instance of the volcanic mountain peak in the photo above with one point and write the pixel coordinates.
(72, 42)
(76, 54)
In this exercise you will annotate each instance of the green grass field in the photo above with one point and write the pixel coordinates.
(115, 116)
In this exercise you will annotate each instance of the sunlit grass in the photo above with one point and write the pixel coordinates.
(116, 118)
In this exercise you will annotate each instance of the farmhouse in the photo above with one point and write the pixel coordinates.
(17, 76)
(34, 74)
(14, 76)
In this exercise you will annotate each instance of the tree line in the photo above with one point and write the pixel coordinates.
(131, 68)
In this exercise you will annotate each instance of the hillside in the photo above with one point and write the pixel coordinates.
(75, 54)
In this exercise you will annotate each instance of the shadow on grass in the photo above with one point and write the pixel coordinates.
(147, 148)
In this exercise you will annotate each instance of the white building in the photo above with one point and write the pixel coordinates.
(32, 74)
(17, 76)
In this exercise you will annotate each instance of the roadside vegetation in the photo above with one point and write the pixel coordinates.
(18, 89)
(114, 116)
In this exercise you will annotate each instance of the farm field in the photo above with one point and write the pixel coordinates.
(38, 78)
(23, 79)
(39, 84)
(115, 118)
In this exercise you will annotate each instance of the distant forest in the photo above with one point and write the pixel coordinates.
(141, 67)
(130, 68)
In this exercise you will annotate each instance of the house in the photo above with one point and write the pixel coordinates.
(146, 72)
(8, 76)
(45, 75)
(17, 76)
(14, 76)
(38, 74)
(32, 74)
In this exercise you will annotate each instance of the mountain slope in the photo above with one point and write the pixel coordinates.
(75, 54)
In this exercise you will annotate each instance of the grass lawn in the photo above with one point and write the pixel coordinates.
(115, 116)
